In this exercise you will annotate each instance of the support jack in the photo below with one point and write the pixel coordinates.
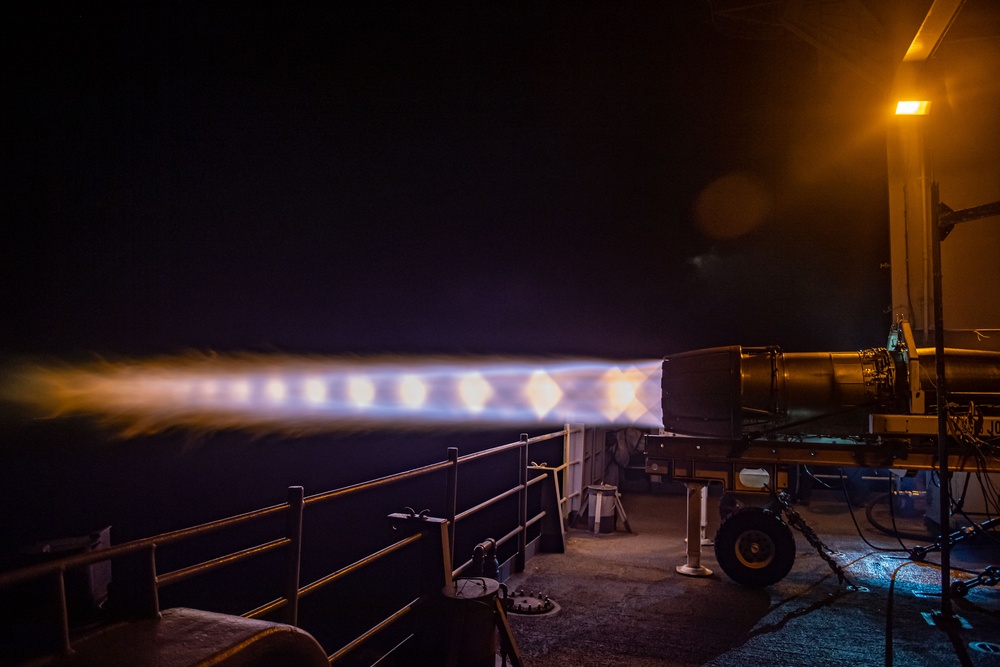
(693, 566)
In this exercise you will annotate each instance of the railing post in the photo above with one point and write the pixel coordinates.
(149, 599)
(134, 592)
(451, 501)
(522, 502)
(447, 552)
(60, 586)
(293, 529)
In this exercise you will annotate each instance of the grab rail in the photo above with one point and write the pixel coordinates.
(147, 600)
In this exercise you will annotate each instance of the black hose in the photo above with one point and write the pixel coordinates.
(854, 519)
(869, 512)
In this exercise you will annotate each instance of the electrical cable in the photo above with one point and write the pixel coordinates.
(889, 604)
(892, 515)
(888, 614)
(990, 495)
(893, 532)
(816, 479)
(855, 520)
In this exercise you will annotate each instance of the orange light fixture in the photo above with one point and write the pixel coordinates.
(913, 107)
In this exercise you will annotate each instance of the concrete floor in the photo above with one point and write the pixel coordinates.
(622, 603)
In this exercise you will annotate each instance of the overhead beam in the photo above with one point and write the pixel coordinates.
(935, 26)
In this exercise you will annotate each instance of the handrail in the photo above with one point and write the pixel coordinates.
(542, 466)
(375, 483)
(500, 496)
(190, 571)
(376, 629)
(536, 480)
(535, 519)
(291, 542)
(490, 452)
(278, 603)
(128, 548)
(358, 564)
(486, 503)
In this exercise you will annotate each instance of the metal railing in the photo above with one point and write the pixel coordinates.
(144, 598)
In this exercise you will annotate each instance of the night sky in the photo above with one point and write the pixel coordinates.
(579, 178)
(394, 177)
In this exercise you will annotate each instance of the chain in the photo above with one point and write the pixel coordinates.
(796, 521)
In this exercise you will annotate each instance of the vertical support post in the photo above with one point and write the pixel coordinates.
(451, 501)
(693, 566)
(553, 536)
(522, 502)
(598, 511)
(944, 506)
(150, 597)
(293, 529)
(705, 542)
(600, 447)
(446, 552)
(136, 592)
(563, 502)
(65, 644)
(573, 486)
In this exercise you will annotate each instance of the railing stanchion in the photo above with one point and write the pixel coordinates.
(150, 597)
(564, 509)
(296, 501)
(63, 607)
(451, 502)
(522, 502)
(137, 583)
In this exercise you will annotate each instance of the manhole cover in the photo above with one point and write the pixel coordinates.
(985, 647)
(529, 603)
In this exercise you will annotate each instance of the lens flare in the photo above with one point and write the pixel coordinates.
(297, 394)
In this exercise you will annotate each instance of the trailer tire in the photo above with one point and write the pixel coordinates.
(728, 504)
(755, 547)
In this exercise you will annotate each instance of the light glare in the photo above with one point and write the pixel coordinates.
(361, 391)
(240, 391)
(315, 391)
(209, 389)
(543, 392)
(412, 392)
(276, 390)
(297, 394)
(475, 391)
(912, 107)
(620, 392)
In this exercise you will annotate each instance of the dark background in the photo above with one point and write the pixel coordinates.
(388, 177)
(395, 177)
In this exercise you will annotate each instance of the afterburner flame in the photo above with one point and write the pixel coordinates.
(309, 394)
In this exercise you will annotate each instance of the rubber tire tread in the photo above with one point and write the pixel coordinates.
(767, 522)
